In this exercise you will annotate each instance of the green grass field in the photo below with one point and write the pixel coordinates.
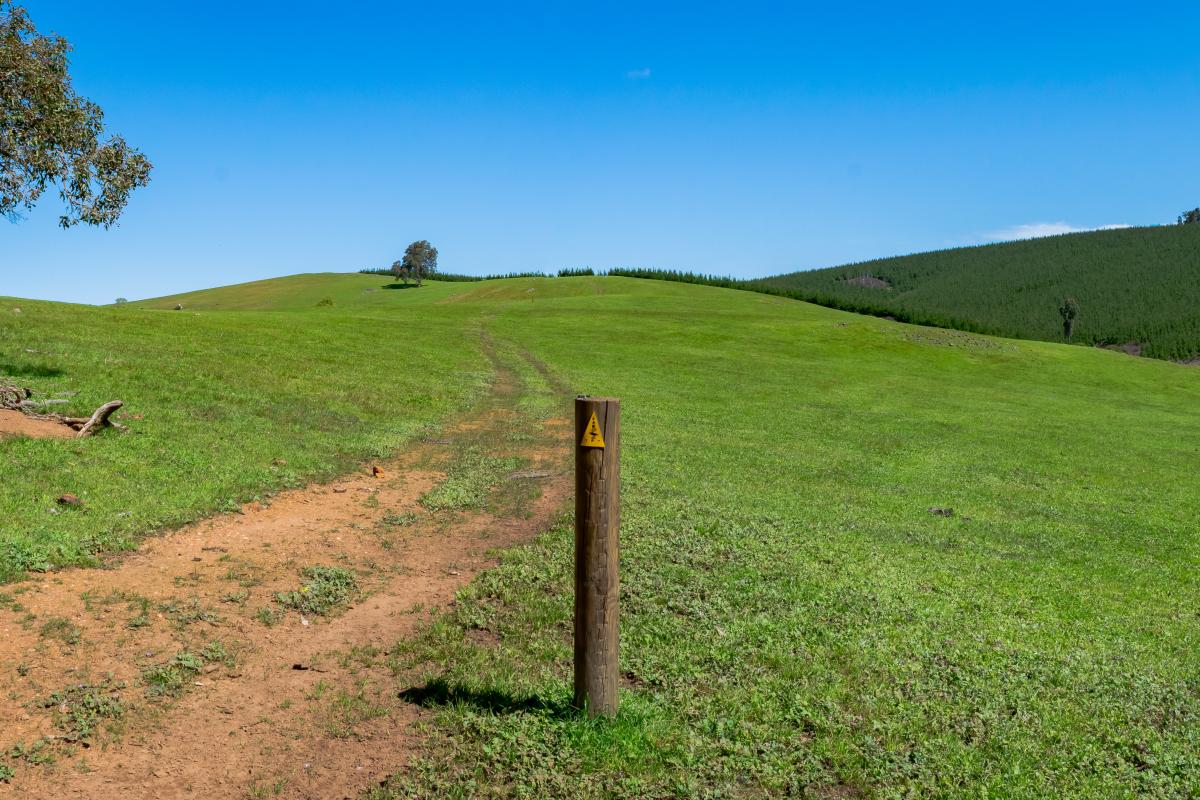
(1137, 285)
(222, 407)
(795, 620)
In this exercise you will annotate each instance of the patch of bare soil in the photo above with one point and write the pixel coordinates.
(287, 704)
(1128, 348)
(14, 423)
(945, 337)
(869, 281)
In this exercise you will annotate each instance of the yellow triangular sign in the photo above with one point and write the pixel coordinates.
(592, 437)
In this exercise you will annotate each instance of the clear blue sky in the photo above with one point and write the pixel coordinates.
(743, 139)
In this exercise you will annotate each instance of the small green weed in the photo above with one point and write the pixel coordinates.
(359, 656)
(191, 579)
(237, 597)
(272, 789)
(170, 679)
(183, 613)
(216, 652)
(400, 520)
(142, 606)
(246, 574)
(268, 616)
(62, 630)
(80, 709)
(40, 752)
(92, 603)
(348, 710)
(327, 588)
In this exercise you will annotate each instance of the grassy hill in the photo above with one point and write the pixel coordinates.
(228, 405)
(795, 620)
(1137, 286)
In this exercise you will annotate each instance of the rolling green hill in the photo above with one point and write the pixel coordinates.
(795, 620)
(1138, 287)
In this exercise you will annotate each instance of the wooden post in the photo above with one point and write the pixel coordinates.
(597, 522)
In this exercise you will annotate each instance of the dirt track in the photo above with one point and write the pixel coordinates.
(308, 708)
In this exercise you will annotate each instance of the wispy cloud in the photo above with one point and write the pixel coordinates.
(638, 74)
(1034, 230)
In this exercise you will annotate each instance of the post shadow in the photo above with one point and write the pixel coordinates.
(440, 693)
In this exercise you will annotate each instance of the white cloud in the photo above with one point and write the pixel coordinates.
(1034, 230)
(638, 74)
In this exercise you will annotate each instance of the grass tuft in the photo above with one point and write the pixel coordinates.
(80, 709)
(327, 589)
(170, 679)
(62, 630)
(471, 478)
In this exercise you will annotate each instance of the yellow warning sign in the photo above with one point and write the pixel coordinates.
(592, 437)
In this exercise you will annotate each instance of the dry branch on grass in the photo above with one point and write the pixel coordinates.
(16, 398)
(13, 397)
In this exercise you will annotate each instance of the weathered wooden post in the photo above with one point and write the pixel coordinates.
(597, 522)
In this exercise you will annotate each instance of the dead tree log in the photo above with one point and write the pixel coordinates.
(16, 398)
(99, 418)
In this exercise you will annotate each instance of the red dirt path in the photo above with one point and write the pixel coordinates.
(262, 727)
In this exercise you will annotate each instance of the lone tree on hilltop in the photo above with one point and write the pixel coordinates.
(1190, 217)
(1069, 310)
(51, 136)
(420, 261)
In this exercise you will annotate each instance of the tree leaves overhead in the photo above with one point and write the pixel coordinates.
(52, 137)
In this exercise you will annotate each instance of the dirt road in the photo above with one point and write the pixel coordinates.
(265, 700)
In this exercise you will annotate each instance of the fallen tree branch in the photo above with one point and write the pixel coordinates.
(16, 398)
(13, 397)
(99, 418)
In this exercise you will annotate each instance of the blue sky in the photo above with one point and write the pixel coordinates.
(744, 139)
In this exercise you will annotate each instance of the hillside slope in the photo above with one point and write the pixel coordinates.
(795, 620)
(1134, 286)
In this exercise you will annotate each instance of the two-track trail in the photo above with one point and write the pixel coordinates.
(266, 701)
